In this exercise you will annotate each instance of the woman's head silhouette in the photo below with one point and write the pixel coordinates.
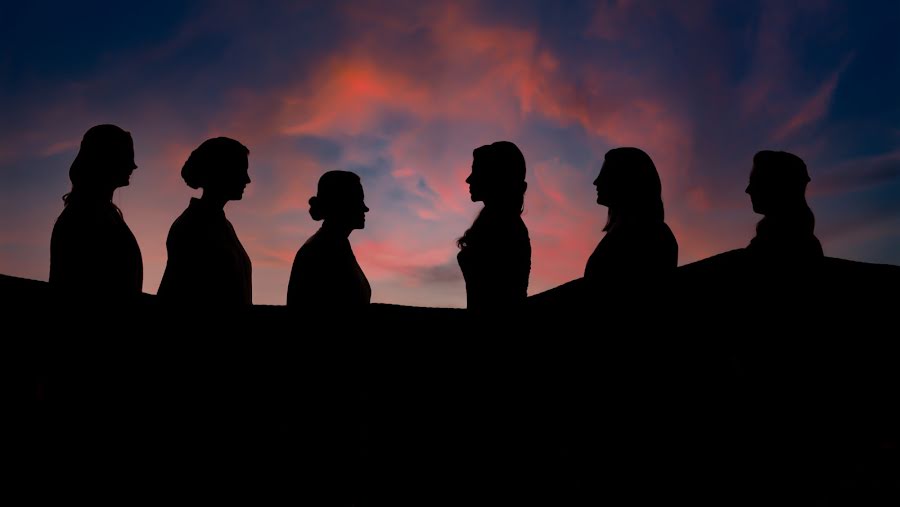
(498, 176)
(498, 180)
(339, 201)
(629, 186)
(218, 166)
(778, 183)
(104, 162)
(777, 191)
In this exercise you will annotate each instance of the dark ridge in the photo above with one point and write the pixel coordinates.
(724, 385)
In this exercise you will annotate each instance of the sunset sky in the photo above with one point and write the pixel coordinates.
(402, 92)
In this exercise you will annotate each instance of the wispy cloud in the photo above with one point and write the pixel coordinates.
(812, 110)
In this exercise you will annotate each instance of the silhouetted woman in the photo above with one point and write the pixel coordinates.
(92, 250)
(777, 191)
(638, 243)
(495, 253)
(325, 272)
(207, 264)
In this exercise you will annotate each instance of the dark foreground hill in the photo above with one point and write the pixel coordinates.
(725, 385)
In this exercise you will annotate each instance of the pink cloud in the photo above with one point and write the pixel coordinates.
(487, 75)
(564, 221)
(635, 121)
(387, 258)
(60, 147)
(813, 110)
(405, 172)
(296, 180)
(347, 95)
(472, 71)
(698, 199)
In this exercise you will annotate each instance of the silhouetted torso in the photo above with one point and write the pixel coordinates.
(326, 274)
(207, 264)
(496, 261)
(633, 250)
(93, 251)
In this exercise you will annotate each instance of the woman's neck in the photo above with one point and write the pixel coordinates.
(213, 200)
(334, 229)
(94, 195)
(501, 208)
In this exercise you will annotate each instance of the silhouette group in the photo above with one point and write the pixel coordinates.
(93, 252)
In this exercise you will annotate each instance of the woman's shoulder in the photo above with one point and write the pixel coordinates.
(194, 230)
(194, 217)
(318, 245)
(519, 225)
(665, 232)
(183, 224)
(80, 216)
(322, 253)
(66, 218)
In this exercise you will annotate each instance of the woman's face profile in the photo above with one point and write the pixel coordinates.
(477, 181)
(602, 183)
(759, 189)
(349, 207)
(122, 164)
(356, 208)
(236, 178)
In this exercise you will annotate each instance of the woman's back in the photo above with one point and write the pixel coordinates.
(634, 250)
(325, 273)
(207, 262)
(496, 260)
(93, 251)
